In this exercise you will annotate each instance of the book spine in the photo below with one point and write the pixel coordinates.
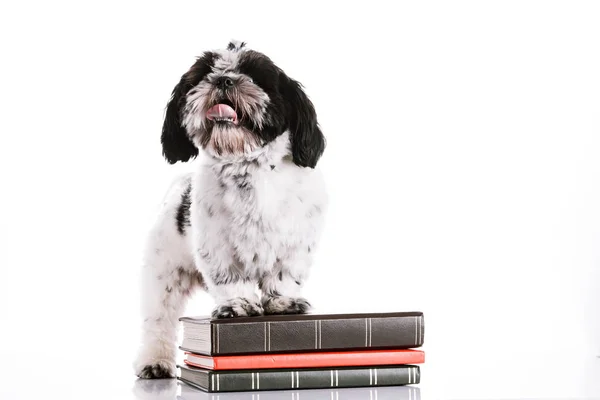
(401, 332)
(313, 379)
(313, 360)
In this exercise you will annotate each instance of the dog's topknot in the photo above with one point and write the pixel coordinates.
(236, 45)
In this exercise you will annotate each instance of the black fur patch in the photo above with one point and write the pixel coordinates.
(232, 46)
(155, 371)
(176, 144)
(308, 142)
(183, 211)
(289, 109)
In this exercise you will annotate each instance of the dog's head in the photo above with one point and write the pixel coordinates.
(232, 103)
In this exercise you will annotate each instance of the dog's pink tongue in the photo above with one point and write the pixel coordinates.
(221, 111)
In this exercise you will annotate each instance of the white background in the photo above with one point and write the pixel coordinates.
(462, 162)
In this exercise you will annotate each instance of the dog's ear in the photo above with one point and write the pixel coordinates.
(176, 144)
(307, 140)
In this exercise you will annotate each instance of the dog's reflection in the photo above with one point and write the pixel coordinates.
(171, 389)
(156, 389)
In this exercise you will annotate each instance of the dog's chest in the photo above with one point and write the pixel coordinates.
(260, 213)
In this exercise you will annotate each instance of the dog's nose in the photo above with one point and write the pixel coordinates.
(224, 82)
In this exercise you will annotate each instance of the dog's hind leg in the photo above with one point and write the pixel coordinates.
(169, 278)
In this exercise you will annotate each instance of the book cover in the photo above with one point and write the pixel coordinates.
(306, 332)
(189, 391)
(306, 360)
(299, 379)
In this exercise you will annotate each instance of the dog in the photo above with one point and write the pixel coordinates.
(245, 225)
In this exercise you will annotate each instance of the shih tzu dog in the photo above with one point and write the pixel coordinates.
(245, 225)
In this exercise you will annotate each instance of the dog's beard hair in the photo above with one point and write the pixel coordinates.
(249, 101)
(198, 102)
(229, 140)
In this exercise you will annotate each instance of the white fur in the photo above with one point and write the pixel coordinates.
(267, 231)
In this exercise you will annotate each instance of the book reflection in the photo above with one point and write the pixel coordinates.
(171, 389)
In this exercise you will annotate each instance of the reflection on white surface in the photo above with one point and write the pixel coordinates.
(108, 375)
(170, 389)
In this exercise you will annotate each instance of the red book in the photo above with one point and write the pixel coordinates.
(306, 360)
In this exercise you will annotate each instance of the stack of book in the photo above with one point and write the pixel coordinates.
(308, 351)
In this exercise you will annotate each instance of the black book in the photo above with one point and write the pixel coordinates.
(296, 379)
(189, 392)
(305, 332)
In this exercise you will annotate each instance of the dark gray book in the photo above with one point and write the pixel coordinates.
(306, 332)
(305, 378)
(175, 389)
(409, 392)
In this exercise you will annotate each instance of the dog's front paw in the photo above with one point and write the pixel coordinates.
(238, 307)
(285, 305)
(157, 370)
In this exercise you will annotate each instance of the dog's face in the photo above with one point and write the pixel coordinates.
(232, 103)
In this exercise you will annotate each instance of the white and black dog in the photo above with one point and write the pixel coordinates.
(245, 225)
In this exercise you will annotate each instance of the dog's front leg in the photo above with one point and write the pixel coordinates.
(230, 284)
(282, 286)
